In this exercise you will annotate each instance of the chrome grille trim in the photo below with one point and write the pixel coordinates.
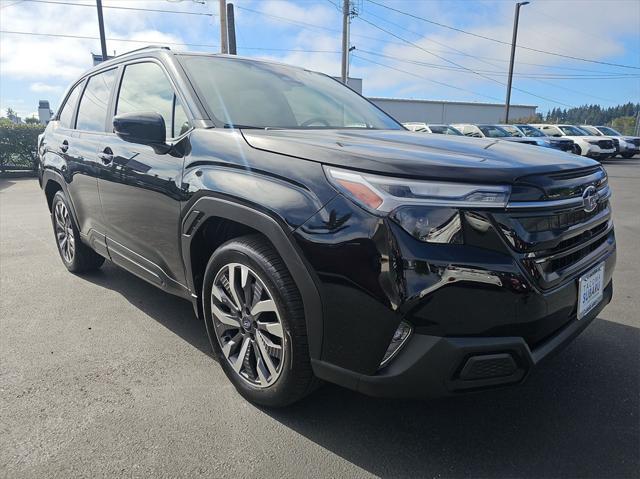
(605, 193)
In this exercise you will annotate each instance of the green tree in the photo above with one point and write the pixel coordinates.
(32, 120)
(624, 124)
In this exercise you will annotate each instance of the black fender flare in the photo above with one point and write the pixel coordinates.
(51, 175)
(208, 207)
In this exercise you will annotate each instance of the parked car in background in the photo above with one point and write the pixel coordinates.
(564, 144)
(586, 145)
(432, 128)
(589, 130)
(313, 247)
(540, 138)
(628, 146)
(491, 131)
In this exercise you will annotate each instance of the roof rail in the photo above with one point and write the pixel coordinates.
(148, 47)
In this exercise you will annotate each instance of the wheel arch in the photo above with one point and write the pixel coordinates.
(210, 222)
(53, 182)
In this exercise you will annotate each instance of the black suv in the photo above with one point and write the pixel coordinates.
(315, 236)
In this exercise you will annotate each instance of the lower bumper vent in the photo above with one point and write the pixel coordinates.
(488, 366)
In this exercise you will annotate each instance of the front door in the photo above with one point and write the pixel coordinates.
(140, 188)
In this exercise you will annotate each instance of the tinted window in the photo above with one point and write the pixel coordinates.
(95, 102)
(145, 87)
(260, 94)
(66, 114)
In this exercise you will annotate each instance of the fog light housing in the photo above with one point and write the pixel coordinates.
(398, 340)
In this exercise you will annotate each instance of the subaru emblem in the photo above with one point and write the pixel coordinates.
(590, 199)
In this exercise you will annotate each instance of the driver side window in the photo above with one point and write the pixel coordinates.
(145, 88)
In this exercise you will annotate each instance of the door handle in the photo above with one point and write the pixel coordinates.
(64, 146)
(106, 155)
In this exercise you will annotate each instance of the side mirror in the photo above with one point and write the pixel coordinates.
(145, 128)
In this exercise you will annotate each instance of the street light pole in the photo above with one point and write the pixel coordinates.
(345, 41)
(103, 40)
(513, 54)
(224, 44)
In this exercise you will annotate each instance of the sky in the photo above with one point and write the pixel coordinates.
(396, 54)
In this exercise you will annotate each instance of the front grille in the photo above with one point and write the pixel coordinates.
(605, 144)
(636, 141)
(551, 242)
(564, 261)
(537, 224)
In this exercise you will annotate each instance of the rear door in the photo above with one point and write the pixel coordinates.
(140, 188)
(91, 131)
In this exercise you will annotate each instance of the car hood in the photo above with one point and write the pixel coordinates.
(407, 154)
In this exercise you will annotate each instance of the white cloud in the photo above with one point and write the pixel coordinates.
(593, 30)
(44, 87)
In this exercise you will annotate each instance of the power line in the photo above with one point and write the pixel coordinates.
(207, 45)
(482, 59)
(113, 7)
(459, 65)
(501, 41)
(11, 4)
(424, 78)
(83, 37)
(531, 76)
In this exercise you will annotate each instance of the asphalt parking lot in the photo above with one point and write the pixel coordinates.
(104, 375)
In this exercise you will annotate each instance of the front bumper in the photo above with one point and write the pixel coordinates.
(462, 300)
(432, 366)
(599, 153)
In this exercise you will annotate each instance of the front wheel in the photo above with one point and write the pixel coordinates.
(628, 154)
(255, 322)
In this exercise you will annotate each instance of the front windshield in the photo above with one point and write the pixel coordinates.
(573, 131)
(531, 130)
(254, 94)
(445, 130)
(493, 131)
(590, 130)
(609, 131)
(513, 131)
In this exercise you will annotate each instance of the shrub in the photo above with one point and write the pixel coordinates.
(19, 146)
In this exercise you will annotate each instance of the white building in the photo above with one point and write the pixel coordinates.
(440, 111)
(44, 112)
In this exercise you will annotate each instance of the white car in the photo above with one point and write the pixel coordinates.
(627, 145)
(597, 147)
(527, 131)
(493, 131)
(431, 128)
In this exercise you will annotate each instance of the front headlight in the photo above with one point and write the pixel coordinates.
(383, 194)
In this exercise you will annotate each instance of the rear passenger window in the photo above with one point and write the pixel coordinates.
(66, 114)
(94, 104)
(145, 88)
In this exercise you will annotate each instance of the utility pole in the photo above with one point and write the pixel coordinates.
(513, 54)
(103, 40)
(345, 40)
(224, 46)
(231, 26)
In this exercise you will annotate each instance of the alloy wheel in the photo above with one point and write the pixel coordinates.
(64, 232)
(248, 325)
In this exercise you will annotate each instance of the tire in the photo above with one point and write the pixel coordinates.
(76, 256)
(258, 275)
(628, 154)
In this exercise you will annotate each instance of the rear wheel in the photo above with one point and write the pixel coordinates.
(255, 322)
(628, 154)
(75, 255)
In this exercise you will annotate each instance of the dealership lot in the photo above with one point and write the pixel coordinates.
(104, 375)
